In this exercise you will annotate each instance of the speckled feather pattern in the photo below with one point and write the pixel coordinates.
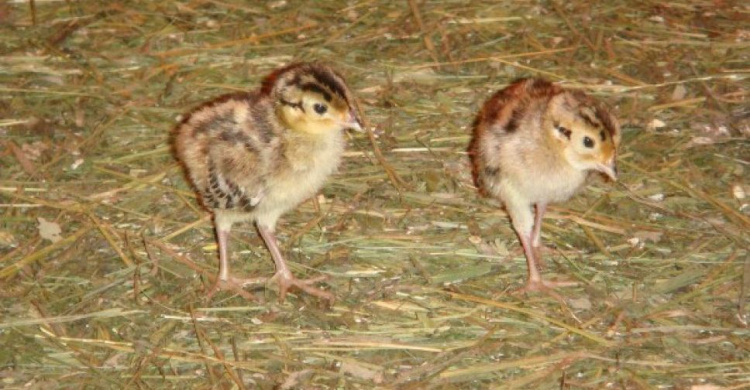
(248, 165)
(253, 156)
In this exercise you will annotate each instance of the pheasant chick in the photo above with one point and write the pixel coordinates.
(535, 143)
(253, 156)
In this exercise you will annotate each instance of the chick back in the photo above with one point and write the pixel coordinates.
(506, 133)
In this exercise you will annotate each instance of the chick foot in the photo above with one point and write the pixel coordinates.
(284, 275)
(534, 263)
(235, 285)
(287, 280)
(547, 287)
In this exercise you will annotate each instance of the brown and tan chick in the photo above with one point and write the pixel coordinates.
(535, 143)
(254, 156)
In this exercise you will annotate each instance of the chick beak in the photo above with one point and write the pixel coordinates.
(352, 122)
(609, 169)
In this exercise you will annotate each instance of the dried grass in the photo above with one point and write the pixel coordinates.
(422, 267)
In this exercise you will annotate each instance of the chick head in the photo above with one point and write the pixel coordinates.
(312, 98)
(586, 133)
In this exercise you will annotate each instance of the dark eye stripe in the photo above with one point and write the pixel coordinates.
(607, 121)
(563, 130)
(292, 104)
(331, 82)
(317, 89)
(515, 119)
(593, 122)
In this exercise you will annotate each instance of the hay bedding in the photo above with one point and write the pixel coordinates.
(105, 256)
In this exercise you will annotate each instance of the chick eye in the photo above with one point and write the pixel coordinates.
(320, 108)
(588, 142)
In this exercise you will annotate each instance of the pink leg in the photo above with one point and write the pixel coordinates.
(222, 236)
(535, 278)
(536, 238)
(225, 280)
(535, 281)
(528, 227)
(284, 275)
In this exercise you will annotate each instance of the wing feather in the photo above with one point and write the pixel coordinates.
(227, 146)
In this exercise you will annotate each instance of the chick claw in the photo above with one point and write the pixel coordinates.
(235, 285)
(546, 287)
(286, 280)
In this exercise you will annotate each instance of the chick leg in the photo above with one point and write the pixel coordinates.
(523, 223)
(284, 275)
(222, 235)
(536, 237)
(225, 280)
